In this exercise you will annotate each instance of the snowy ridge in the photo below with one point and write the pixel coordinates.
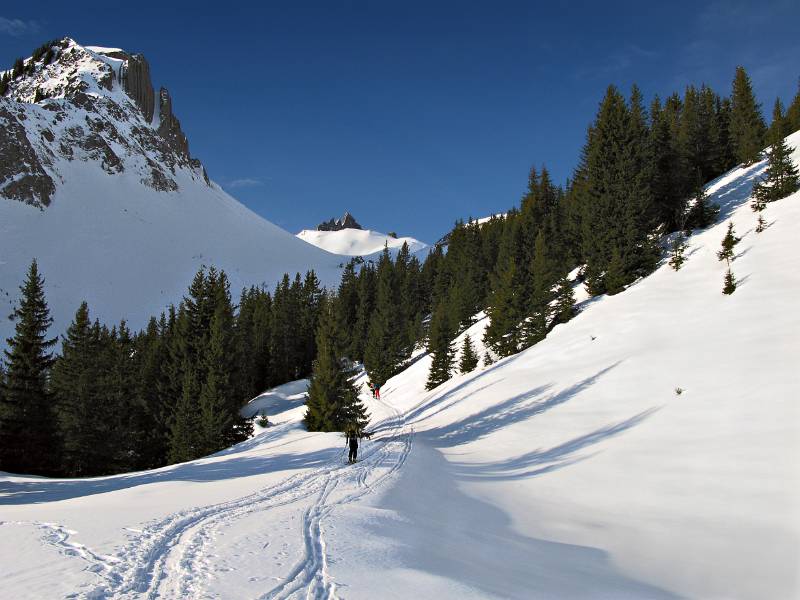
(571, 470)
(358, 242)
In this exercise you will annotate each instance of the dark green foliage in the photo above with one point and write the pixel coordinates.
(333, 403)
(27, 421)
(469, 358)
(747, 126)
(677, 250)
(18, 69)
(564, 306)
(730, 283)
(793, 112)
(615, 277)
(781, 178)
(728, 243)
(615, 195)
(536, 325)
(387, 345)
(440, 347)
(702, 212)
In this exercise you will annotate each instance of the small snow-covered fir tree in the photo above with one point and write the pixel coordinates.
(678, 249)
(728, 243)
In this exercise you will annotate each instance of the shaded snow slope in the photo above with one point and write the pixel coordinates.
(571, 470)
(357, 242)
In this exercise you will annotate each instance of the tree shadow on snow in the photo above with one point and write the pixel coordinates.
(539, 461)
(512, 410)
(203, 470)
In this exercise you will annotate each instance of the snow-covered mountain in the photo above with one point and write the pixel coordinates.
(97, 183)
(358, 242)
(572, 470)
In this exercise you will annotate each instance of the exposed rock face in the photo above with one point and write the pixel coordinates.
(134, 76)
(169, 127)
(94, 105)
(346, 222)
(22, 175)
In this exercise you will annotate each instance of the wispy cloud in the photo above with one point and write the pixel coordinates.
(18, 27)
(245, 182)
(616, 62)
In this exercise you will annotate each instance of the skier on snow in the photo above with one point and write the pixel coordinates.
(352, 441)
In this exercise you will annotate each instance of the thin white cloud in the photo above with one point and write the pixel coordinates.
(18, 27)
(245, 182)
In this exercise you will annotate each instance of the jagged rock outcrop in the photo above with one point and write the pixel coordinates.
(134, 75)
(346, 222)
(94, 105)
(22, 175)
(169, 127)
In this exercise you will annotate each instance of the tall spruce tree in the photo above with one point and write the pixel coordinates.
(81, 389)
(781, 178)
(440, 347)
(564, 307)
(535, 327)
(333, 403)
(469, 358)
(793, 112)
(28, 440)
(747, 126)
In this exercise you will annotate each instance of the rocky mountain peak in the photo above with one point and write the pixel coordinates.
(346, 222)
(70, 103)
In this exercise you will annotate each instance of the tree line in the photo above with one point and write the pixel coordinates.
(112, 400)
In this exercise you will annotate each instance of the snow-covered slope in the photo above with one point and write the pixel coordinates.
(571, 470)
(357, 242)
(97, 183)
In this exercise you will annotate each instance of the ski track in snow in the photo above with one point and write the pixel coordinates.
(169, 558)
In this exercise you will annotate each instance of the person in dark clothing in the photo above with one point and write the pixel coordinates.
(352, 441)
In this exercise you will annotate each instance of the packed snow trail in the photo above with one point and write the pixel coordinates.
(169, 557)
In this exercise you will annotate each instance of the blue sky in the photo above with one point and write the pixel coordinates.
(411, 114)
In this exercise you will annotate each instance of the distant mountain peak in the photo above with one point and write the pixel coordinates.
(346, 222)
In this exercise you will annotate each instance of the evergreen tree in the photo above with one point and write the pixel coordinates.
(615, 278)
(76, 384)
(677, 249)
(728, 243)
(506, 299)
(564, 307)
(440, 348)
(702, 213)
(793, 112)
(216, 413)
(469, 358)
(333, 403)
(384, 351)
(28, 442)
(730, 283)
(747, 126)
(185, 437)
(536, 325)
(781, 178)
